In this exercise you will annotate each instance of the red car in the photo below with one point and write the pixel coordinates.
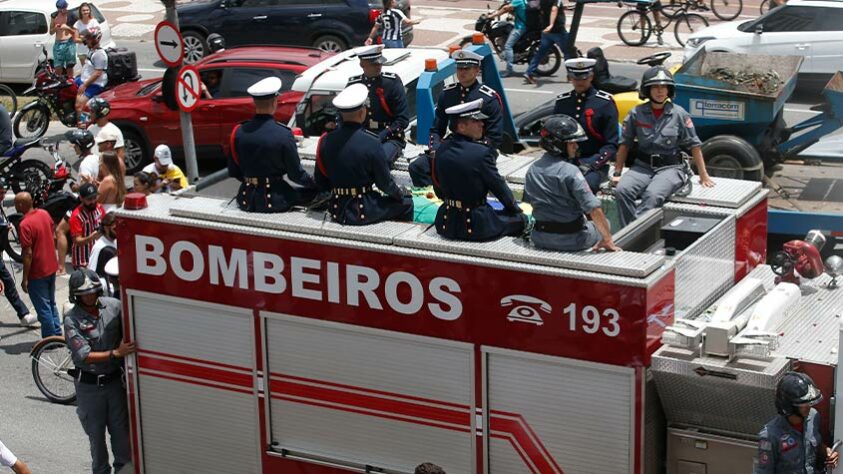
(140, 111)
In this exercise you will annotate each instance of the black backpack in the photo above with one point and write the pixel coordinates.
(534, 15)
(122, 66)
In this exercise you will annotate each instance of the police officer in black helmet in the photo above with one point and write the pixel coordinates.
(791, 442)
(663, 130)
(263, 151)
(94, 334)
(560, 194)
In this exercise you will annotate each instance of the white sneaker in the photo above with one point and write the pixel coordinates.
(30, 321)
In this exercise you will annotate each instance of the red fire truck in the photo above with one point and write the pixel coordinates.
(289, 344)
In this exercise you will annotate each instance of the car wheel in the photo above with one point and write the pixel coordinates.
(330, 43)
(195, 47)
(137, 155)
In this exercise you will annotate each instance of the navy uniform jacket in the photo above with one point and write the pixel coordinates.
(782, 449)
(352, 157)
(263, 148)
(597, 113)
(456, 94)
(388, 105)
(464, 170)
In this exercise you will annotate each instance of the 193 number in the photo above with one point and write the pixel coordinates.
(592, 321)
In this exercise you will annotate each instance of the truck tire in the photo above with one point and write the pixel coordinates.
(728, 156)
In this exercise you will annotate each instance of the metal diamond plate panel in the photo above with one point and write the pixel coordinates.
(731, 193)
(741, 404)
(217, 210)
(707, 264)
(518, 250)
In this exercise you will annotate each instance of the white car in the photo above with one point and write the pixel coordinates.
(812, 29)
(25, 28)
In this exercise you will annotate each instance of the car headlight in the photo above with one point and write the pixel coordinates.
(696, 42)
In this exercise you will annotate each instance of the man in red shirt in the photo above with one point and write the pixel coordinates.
(39, 263)
(84, 225)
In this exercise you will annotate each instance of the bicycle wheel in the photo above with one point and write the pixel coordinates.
(50, 364)
(727, 10)
(670, 10)
(634, 28)
(765, 6)
(9, 99)
(686, 25)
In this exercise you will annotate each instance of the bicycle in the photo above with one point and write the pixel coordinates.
(635, 28)
(8, 99)
(53, 370)
(725, 10)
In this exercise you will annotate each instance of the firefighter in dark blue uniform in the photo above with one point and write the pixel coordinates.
(350, 163)
(389, 114)
(466, 89)
(262, 152)
(464, 171)
(596, 112)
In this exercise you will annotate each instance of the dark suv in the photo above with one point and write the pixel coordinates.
(330, 25)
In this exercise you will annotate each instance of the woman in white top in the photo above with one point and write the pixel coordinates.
(85, 21)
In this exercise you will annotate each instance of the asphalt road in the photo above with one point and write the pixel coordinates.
(49, 436)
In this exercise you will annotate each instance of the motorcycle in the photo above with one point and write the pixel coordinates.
(45, 183)
(497, 31)
(56, 95)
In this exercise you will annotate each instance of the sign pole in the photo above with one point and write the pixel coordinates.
(184, 117)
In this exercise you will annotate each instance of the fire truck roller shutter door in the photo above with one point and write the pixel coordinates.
(196, 390)
(558, 414)
(353, 394)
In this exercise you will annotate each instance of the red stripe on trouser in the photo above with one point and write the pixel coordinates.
(521, 432)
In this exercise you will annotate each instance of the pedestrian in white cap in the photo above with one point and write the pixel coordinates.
(168, 176)
(350, 162)
(261, 152)
(464, 173)
(389, 113)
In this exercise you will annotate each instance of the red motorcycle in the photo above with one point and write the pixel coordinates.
(56, 95)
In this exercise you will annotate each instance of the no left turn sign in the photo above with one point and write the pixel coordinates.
(169, 44)
(188, 88)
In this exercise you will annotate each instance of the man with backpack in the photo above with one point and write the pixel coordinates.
(553, 33)
(94, 78)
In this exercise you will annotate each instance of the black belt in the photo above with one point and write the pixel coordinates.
(462, 204)
(572, 227)
(660, 161)
(94, 379)
(353, 191)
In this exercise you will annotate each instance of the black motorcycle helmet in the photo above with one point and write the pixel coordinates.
(99, 107)
(795, 389)
(81, 138)
(216, 42)
(82, 282)
(559, 129)
(657, 75)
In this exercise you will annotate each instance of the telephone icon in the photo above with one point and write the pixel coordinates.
(525, 311)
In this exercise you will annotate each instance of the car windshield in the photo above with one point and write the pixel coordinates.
(316, 110)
